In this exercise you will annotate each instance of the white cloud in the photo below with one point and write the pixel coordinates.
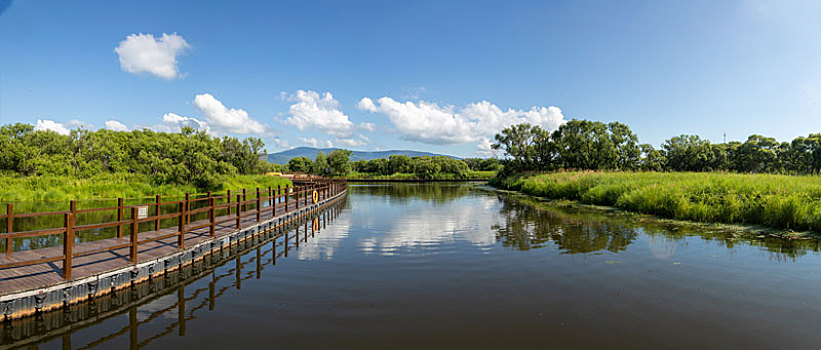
(142, 53)
(484, 147)
(430, 123)
(367, 126)
(366, 104)
(282, 143)
(115, 126)
(76, 124)
(353, 142)
(172, 122)
(224, 119)
(313, 142)
(45, 124)
(321, 112)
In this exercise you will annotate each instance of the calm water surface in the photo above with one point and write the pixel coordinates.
(449, 265)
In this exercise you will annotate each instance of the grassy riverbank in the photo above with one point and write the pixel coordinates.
(775, 201)
(472, 175)
(62, 188)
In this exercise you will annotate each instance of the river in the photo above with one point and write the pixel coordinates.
(455, 265)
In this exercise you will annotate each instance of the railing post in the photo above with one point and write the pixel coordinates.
(244, 198)
(296, 195)
(212, 213)
(181, 229)
(274, 202)
(9, 227)
(187, 208)
(286, 238)
(68, 245)
(259, 207)
(181, 309)
(239, 212)
(119, 218)
(270, 196)
(229, 201)
(135, 228)
(159, 211)
(286, 198)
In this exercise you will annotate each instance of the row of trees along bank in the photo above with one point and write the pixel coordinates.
(440, 167)
(189, 157)
(591, 145)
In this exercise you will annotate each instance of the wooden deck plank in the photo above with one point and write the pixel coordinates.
(41, 275)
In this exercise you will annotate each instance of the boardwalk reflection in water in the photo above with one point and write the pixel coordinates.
(163, 304)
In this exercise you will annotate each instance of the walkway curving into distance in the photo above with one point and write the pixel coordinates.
(245, 262)
(104, 265)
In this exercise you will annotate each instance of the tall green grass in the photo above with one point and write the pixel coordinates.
(775, 201)
(105, 186)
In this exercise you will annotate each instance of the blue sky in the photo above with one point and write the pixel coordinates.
(439, 76)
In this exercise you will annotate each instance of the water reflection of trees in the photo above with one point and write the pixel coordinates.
(528, 224)
(400, 193)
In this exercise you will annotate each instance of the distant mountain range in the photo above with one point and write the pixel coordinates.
(310, 152)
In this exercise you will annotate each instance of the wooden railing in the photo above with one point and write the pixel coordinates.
(305, 190)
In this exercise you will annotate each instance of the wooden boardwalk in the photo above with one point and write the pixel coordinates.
(33, 276)
(111, 254)
(245, 266)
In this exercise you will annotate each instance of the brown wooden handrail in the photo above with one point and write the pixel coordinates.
(236, 205)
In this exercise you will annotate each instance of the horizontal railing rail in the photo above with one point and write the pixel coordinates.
(235, 206)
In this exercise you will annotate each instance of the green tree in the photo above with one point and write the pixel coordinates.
(652, 159)
(320, 165)
(584, 144)
(526, 147)
(339, 162)
(399, 164)
(490, 164)
(758, 154)
(626, 142)
(300, 165)
(425, 168)
(688, 153)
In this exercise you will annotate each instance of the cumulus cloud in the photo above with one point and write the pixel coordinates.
(320, 112)
(367, 126)
(76, 124)
(430, 123)
(484, 148)
(360, 140)
(366, 104)
(224, 119)
(313, 142)
(172, 122)
(46, 124)
(115, 126)
(142, 53)
(282, 143)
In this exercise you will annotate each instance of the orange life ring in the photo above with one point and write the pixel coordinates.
(316, 196)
